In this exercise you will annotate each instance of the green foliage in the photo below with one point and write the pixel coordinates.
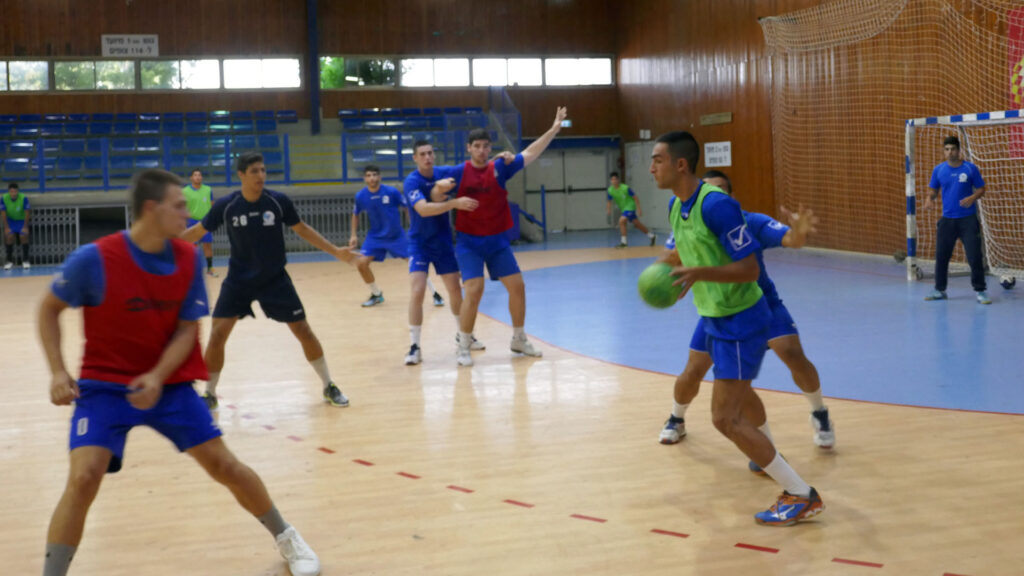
(160, 75)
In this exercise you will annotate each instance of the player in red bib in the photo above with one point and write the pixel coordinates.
(481, 234)
(142, 295)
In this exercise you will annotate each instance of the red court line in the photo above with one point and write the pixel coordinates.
(248, 416)
(269, 427)
(518, 503)
(408, 475)
(363, 462)
(232, 407)
(459, 489)
(757, 548)
(857, 563)
(295, 438)
(670, 533)
(325, 450)
(590, 518)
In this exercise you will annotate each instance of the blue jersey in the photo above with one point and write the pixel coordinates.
(956, 184)
(769, 233)
(256, 233)
(382, 209)
(417, 188)
(81, 280)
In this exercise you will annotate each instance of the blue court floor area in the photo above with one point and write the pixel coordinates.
(870, 333)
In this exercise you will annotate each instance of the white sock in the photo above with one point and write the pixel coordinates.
(623, 239)
(320, 365)
(211, 383)
(518, 333)
(373, 288)
(783, 473)
(679, 410)
(767, 432)
(817, 402)
(430, 286)
(414, 334)
(650, 234)
(458, 326)
(465, 338)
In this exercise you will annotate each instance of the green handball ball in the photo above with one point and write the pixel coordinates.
(655, 286)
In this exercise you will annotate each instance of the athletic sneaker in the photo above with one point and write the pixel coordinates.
(476, 345)
(26, 266)
(413, 357)
(791, 509)
(824, 431)
(674, 430)
(462, 356)
(983, 298)
(211, 273)
(302, 561)
(374, 300)
(654, 239)
(333, 396)
(621, 245)
(211, 401)
(438, 300)
(524, 347)
(936, 295)
(9, 265)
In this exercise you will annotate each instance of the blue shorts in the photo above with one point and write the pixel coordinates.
(629, 215)
(782, 323)
(733, 359)
(379, 249)
(103, 417)
(473, 252)
(277, 298)
(438, 251)
(207, 238)
(16, 226)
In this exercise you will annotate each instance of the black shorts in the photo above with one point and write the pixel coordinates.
(277, 298)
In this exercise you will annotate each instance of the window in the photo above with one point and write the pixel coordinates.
(268, 73)
(200, 74)
(243, 74)
(29, 75)
(74, 75)
(490, 72)
(281, 73)
(525, 72)
(578, 71)
(341, 72)
(451, 72)
(3, 75)
(418, 72)
(115, 75)
(161, 75)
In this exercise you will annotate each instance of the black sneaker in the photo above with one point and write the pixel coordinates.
(621, 245)
(374, 300)
(334, 397)
(438, 300)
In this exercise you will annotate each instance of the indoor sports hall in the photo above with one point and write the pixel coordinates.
(551, 464)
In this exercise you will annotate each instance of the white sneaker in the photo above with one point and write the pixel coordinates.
(673, 432)
(302, 561)
(476, 345)
(524, 347)
(9, 265)
(413, 357)
(824, 430)
(462, 356)
(26, 265)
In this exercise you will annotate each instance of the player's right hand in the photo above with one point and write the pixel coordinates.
(445, 185)
(63, 389)
(353, 242)
(344, 253)
(466, 203)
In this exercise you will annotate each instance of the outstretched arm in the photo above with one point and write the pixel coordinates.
(533, 151)
(424, 208)
(801, 224)
(307, 233)
(194, 233)
(439, 193)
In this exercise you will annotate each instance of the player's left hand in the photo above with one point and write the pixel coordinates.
(560, 115)
(803, 221)
(145, 391)
(967, 202)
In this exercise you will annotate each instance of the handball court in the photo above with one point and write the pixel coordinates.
(552, 465)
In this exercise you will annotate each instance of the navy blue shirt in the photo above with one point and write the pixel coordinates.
(256, 233)
(956, 184)
(417, 187)
(382, 209)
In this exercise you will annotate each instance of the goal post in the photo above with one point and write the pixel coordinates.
(993, 141)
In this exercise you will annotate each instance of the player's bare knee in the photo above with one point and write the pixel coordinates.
(86, 479)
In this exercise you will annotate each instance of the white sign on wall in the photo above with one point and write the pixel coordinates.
(717, 154)
(132, 45)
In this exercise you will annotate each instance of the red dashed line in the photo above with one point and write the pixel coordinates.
(408, 475)
(459, 489)
(590, 518)
(232, 407)
(363, 462)
(857, 563)
(757, 548)
(269, 427)
(248, 416)
(518, 503)
(670, 533)
(325, 450)
(295, 438)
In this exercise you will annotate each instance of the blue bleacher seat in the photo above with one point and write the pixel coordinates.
(3, 146)
(51, 129)
(147, 144)
(178, 162)
(93, 163)
(126, 117)
(474, 110)
(266, 125)
(357, 140)
(26, 130)
(78, 117)
(100, 128)
(120, 166)
(243, 143)
(15, 165)
(347, 112)
(176, 143)
(269, 141)
(218, 142)
(94, 145)
(69, 168)
(72, 146)
(274, 162)
(411, 111)
(54, 118)
(241, 115)
(76, 129)
(124, 127)
(8, 118)
(122, 144)
(242, 126)
(369, 111)
(195, 127)
(219, 115)
(197, 142)
(22, 147)
(452, 110)
(51, 145)
(220, 126)
(195, 116)
(390, 112)
(263, 114)
(173, 117)
(197, 160)
(173, 127)
(149, 127)
(432, 111)
(49, 167)
(30, 118)
(6, 130)
(435, 122)
(362, 156)
(287, 116)
(217, 160)
(417, 123)
(148, 162)
(149, 117)
(102, 117)
(351, 124)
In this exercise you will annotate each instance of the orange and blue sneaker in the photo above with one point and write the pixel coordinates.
(791, 509)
